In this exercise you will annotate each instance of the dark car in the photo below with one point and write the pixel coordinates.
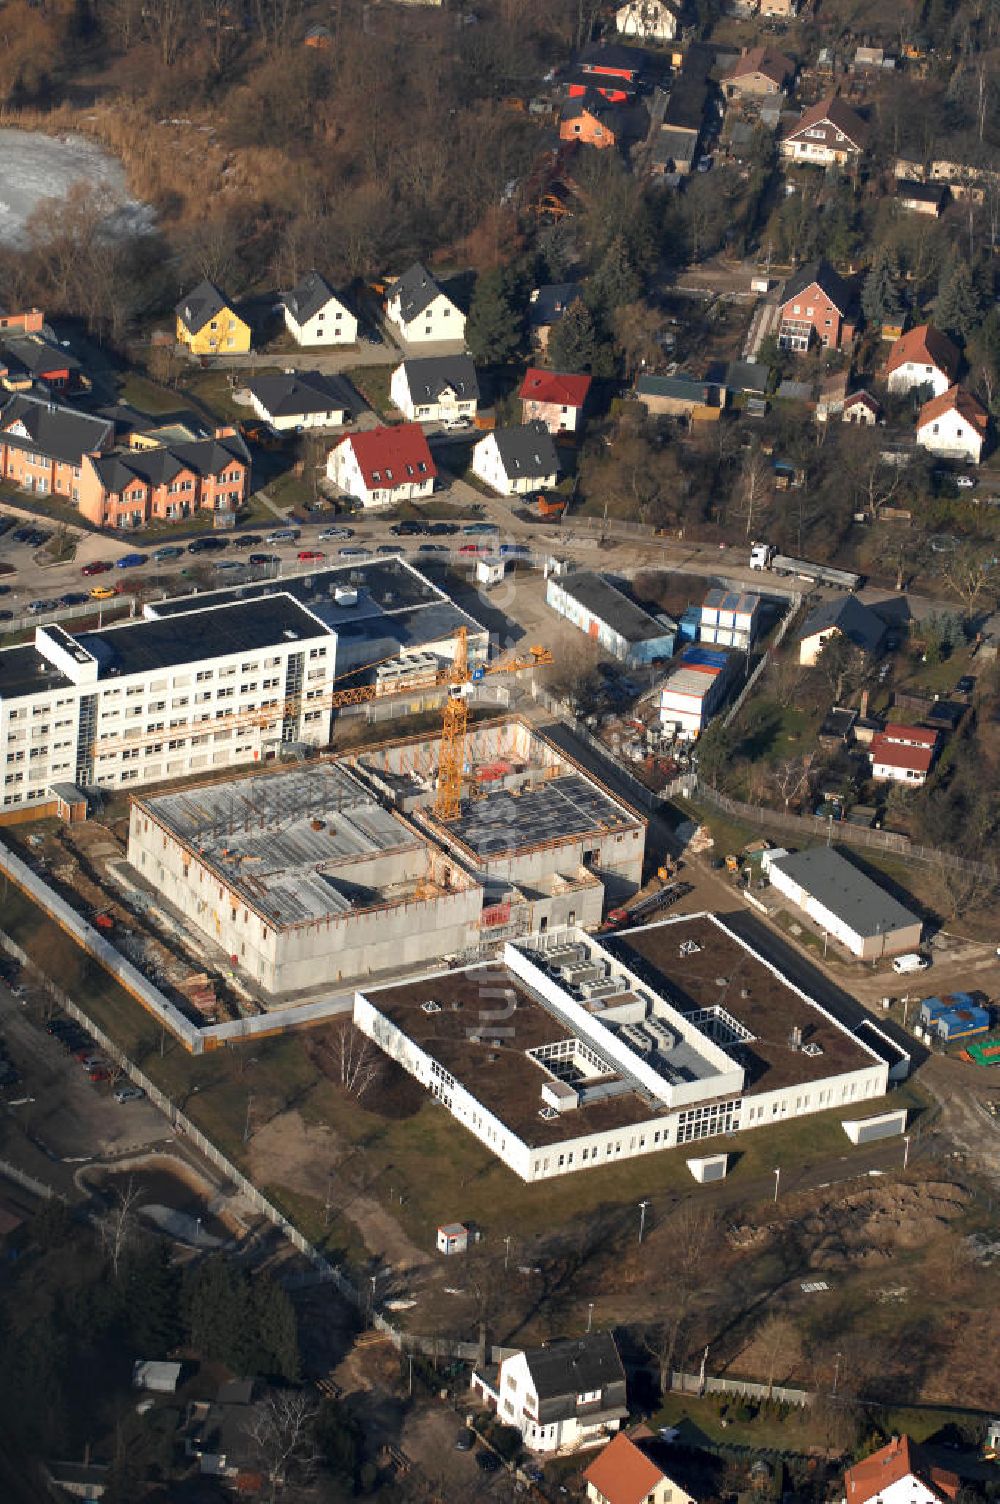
(36, 608)
(207, 545)
(131, 561)
(434, 548)
(487, 1462)
(965, 685)
(97, 566)
(6, 616)
(389, 548)
(21, 534)
(464, 1441)
(442, 529)
(36, 537)
(248, 540)
(261, 561)
(74, 598)
(408, 529)
(472, 529)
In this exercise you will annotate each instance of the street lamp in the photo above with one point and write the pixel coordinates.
(506, 1251)
(777, 1182)
(590, 1314)
(836, 1372)
(906, 1150)
(642, 1218)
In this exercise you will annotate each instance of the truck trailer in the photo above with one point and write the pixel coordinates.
(766, 556)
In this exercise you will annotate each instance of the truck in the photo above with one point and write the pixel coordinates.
(766, 556)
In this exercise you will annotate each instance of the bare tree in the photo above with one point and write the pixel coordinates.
(962, 887)
(873, 481)
(752, 487)
(791, 776)
(117, 1227)
(969, 572)
(843, 665)
(693, 1232)
(281, 1432)
(358, 1062)
(780, 1345)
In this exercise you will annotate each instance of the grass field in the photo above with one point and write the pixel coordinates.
(373, 384)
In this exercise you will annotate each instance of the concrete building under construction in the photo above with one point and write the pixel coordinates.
(302, 878)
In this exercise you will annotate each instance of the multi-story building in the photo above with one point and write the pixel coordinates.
(43, 446)
(694, 689)
(514, 461)
(828, 133)
(419, 311)
(436, 388)
(570, 1394)
(208, 324)
(922, 359)
(553, 398)
(131, 488)
(383, 466)
(815, 305)
(954, 426)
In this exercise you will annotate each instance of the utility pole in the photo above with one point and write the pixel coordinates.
(590, 1314)
(906, 1150)
(836, 1373)
(246, 1125)
(642, 1218)
(506, 1251)
(777, 1182)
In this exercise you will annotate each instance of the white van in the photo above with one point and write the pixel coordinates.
(902, 965)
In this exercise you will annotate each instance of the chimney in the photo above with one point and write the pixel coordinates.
(864, 703)
(225, 432)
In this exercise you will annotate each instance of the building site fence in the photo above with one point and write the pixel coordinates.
(693, 1383)
(26, 1181)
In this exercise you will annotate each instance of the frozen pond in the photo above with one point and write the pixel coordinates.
(37, 167)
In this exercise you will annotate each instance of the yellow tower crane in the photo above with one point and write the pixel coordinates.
(451, 759)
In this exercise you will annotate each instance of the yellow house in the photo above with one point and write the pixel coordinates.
(207, 324)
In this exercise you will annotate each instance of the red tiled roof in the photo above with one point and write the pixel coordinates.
(956, 399)
(622, 1474)
(896, 732)
(924, 346)
(892, 755)
(839, 114)
(396, 455)
(773, 65)
(554, 386)
(902, 1458)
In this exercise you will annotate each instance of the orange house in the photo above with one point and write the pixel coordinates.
(167, 484)
(42, 445)
(590, 120)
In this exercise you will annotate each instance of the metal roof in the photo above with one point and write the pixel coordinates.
(610, 605)
(835, 883)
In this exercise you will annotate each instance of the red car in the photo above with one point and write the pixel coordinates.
(99, 1073)
(97, 567)
(310, 555)
(473, 548)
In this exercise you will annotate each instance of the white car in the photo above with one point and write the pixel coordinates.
(965, 482)
(129, 1093)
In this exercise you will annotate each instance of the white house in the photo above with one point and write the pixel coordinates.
(899, 1473)
(953, 425)
(303, 399)
(436, 388)
(420, 311)
(651, 20)
(384, 466)
(903, 754)
(314, 315)
(625, 1473)
(514, 461)
(844, 617)
(828, 132)
(922, 358)
(694, 689)
(562, 1397)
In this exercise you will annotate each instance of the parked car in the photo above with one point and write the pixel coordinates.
(99, 1073)
(330, 533)
(434, 548)
(36, 608)
(129, 1094)
(471, 529)
(74, 598)
(965, 482)
(391, 549)
(355, 553)
(514, 551)
(408, 528)
(96, 566)
(487, 1462)
(310, 555)
(473, 548)
(283, 535)
(131, 561)
(6, 616)
(442, 529)
(248, 540)
(167, 552)
(227, 566)
(260, 560)
(965, 685)
(104, 592)
(465, 1441)
(211, 545)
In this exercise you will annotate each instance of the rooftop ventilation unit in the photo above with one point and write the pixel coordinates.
(637, 1037)
(666, 1039)
(689, 948)
(605, 987)
(812, 1049)
(430, 1007)
(547, 1114)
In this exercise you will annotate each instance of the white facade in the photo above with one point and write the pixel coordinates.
(641, 645)
(440, 320)
(287, 422)
(650, 20)
(333, 324)
(343, 470)
(885, 942)
(913, 374)
(690, 697)
(488, 465)
(448, 407)
(729, 619)
(138, 727)
(517, 1405)
(951, 436)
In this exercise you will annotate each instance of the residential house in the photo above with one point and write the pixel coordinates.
(420, 311)
(816, 303)
(681, 396)
(553, 398)
(625, 1473)
(77, 1480)
(828, 133)
(923, 360)
(314, 315)
(219, 1434)
(902, 754)
(303, 399)
(547, 306)
(384, 466)
(27, 321)
(921, 198)
(436, 388)
(862, 409)
(208, 324)
(758, 71)
(786, 8)
(845, 617)
(832, 396)
(133, 487)
(42, 445)
(613, 70)
(514, 461)
(649, 20)
(748, 377)
(899, 1473)
(953, 426)
(568, 1395)
(30, 359)
(591, 120)
(597, 607)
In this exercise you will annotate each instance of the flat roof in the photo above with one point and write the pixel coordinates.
(724, 972)
(494, 1066)
(286, 842)
(863, 905)
(23, 671)
(389, 584)
(612, 606)
(557, 809)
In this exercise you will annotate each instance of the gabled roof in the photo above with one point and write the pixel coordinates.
(924, 736)
(526, 450)
(312, 294)
(765, 60)
(396, 455)
(575, 1367)
(554, 386)
(893, 755)
(431, 375)
(834, 111)
(598, 57)
(956, 399)
(924, 346)
(847, 615)
(202, 304)
(61, 433)
(591, 103)
(550, 302)
(863, 399)
(920, 193)
(289, 394)
(158, 467)
(822, 275)
(415, 290)
(623, 1474)
(37, 355)
(902, 1458)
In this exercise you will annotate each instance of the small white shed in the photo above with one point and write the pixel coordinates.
(490, 570)
(159, 1378)
(708, 1167)
(452, 1237)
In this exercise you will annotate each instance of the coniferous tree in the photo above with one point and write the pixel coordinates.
(880, 300)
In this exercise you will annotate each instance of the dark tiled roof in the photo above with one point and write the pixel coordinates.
(527, 449)
(826, 279)
(158, 467)
(416, 290)
(550, 302)
(202, 303)
(576, 1367)
(428, 378)
(37, 355)
(289, 394)
(849, 616)
(60, 433)
(312, 294)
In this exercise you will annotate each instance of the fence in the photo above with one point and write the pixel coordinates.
(794, 602)
(122, 604)
(28, 1182)
(693, 1383)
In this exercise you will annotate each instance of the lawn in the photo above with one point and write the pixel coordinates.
(373, 384)
(213, 390)
(148, 396)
